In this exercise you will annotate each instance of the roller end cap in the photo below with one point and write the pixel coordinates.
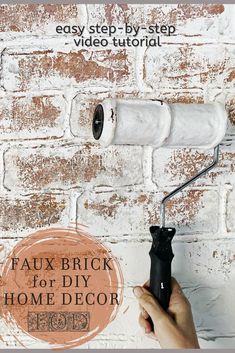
(98, 122)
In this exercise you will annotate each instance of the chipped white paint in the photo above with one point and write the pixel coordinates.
(84, 165)
(182, 66)
(23, 70)
(107, 212)
(20, 112)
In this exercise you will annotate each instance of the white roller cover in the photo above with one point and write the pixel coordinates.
(149, 122)
(135, 122)
(197, 125)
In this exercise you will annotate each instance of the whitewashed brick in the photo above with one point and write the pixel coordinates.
(196, 211)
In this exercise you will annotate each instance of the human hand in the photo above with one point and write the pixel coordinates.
(173, 328)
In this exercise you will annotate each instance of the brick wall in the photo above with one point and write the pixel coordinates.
(52, 173)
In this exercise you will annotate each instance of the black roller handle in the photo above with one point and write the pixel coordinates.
(161, 256)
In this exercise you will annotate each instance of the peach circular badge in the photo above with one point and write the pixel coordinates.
(61, 286)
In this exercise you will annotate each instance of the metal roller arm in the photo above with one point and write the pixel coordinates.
(184, 185)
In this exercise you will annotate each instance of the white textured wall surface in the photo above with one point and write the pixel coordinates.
(52, 173)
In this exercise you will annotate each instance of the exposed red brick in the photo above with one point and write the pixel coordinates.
(186, 163)
(31, 212)
(115, 10)
(227, 162)
(214, 9)
(183, 97)
(181, 209)
(185, 67)
(71, 166)
(194, 11)
(187, 206)
(141, 199)
(108, 211)
(76, 67)
(43, 107)
(82, 166)
(230, 105)
(180, 165)
(32, 116)
(22, 18)
(231, 76)
(176, 14)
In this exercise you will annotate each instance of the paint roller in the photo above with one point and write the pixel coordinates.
(155, 123)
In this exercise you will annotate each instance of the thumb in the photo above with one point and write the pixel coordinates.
(151, 305)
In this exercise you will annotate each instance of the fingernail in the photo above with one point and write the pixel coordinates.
(138, 291)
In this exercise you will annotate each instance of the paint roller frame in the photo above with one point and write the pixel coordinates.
(161, 253)
(187, 183)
